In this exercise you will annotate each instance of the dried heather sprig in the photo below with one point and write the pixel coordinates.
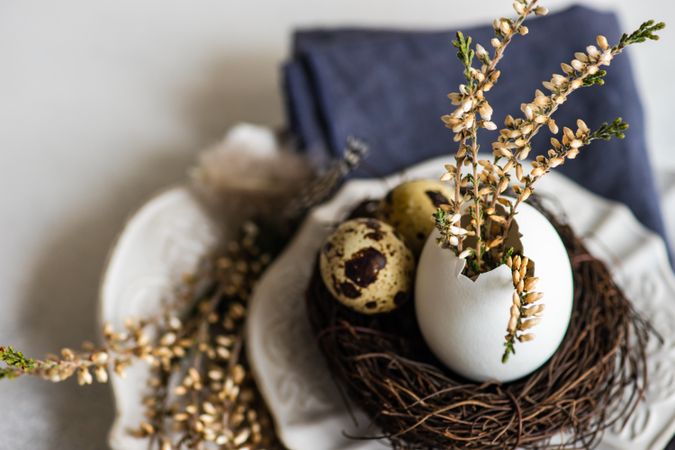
(584, 70)
(199, 390)
(213, 397)
(480, 193)
(80, 363)
(569, 148)
(525, 312)
(473, 112)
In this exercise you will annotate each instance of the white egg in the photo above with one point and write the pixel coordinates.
(464, 321)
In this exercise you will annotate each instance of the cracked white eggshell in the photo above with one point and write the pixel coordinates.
(464, 322)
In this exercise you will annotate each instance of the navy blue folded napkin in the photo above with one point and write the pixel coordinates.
(390, 88)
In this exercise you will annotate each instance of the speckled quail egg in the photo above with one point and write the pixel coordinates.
(367, 266)
(410, 206)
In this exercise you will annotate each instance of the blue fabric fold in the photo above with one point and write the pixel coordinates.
(389, 88)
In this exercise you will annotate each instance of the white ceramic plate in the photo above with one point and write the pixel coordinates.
(169, 234)
(163, 240)
(309, 412)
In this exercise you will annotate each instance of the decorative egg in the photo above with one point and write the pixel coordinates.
(410, 206)
(367, 266)
(464, 321)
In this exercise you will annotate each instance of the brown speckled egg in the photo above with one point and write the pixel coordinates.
(410, 206)
(367, 266)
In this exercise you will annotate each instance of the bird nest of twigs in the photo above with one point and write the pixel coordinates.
(594, 380)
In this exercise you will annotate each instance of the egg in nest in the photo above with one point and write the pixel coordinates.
(367, 266)
(410, 206)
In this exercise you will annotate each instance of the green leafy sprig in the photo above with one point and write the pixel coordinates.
(464, 53)
(643, 33)
(608, 131)
(16, 363)
(597, 78)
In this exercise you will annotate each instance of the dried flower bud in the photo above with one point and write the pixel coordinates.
(67, 354)
(505, 26)
(500, 151)
(581, 56)
(489, 125)
(567, 68)
(485, 111)
(555, 162)
(509, 165)
(498, 219)
(541, 11)
(530, 283)
(592, 51)
(84, 377)
(523, 267)
(578, 65)
(558, 80)
(527, 324)
(533, 297)
(526, 337)
(568, 133)
(99, 358)
(480, 51)
(516, 277)
(576, 143)
(180, 391)
(516, 262)
(101, 374)
(552, 126)
(503, 185)
(515, 298)
(168, 339)
(495, 242)
(519, 172)
(447, 176)
(602, 42)
(534, 310)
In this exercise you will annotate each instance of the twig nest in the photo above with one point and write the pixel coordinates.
(367, 266)
(410, 206)
(593, 381)
(464, 321)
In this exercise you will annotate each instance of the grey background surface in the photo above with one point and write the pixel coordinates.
(104, 103)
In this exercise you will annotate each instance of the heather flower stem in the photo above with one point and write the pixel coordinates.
(480, 191)
(583, 71)
(477, 209)
(477, 83)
